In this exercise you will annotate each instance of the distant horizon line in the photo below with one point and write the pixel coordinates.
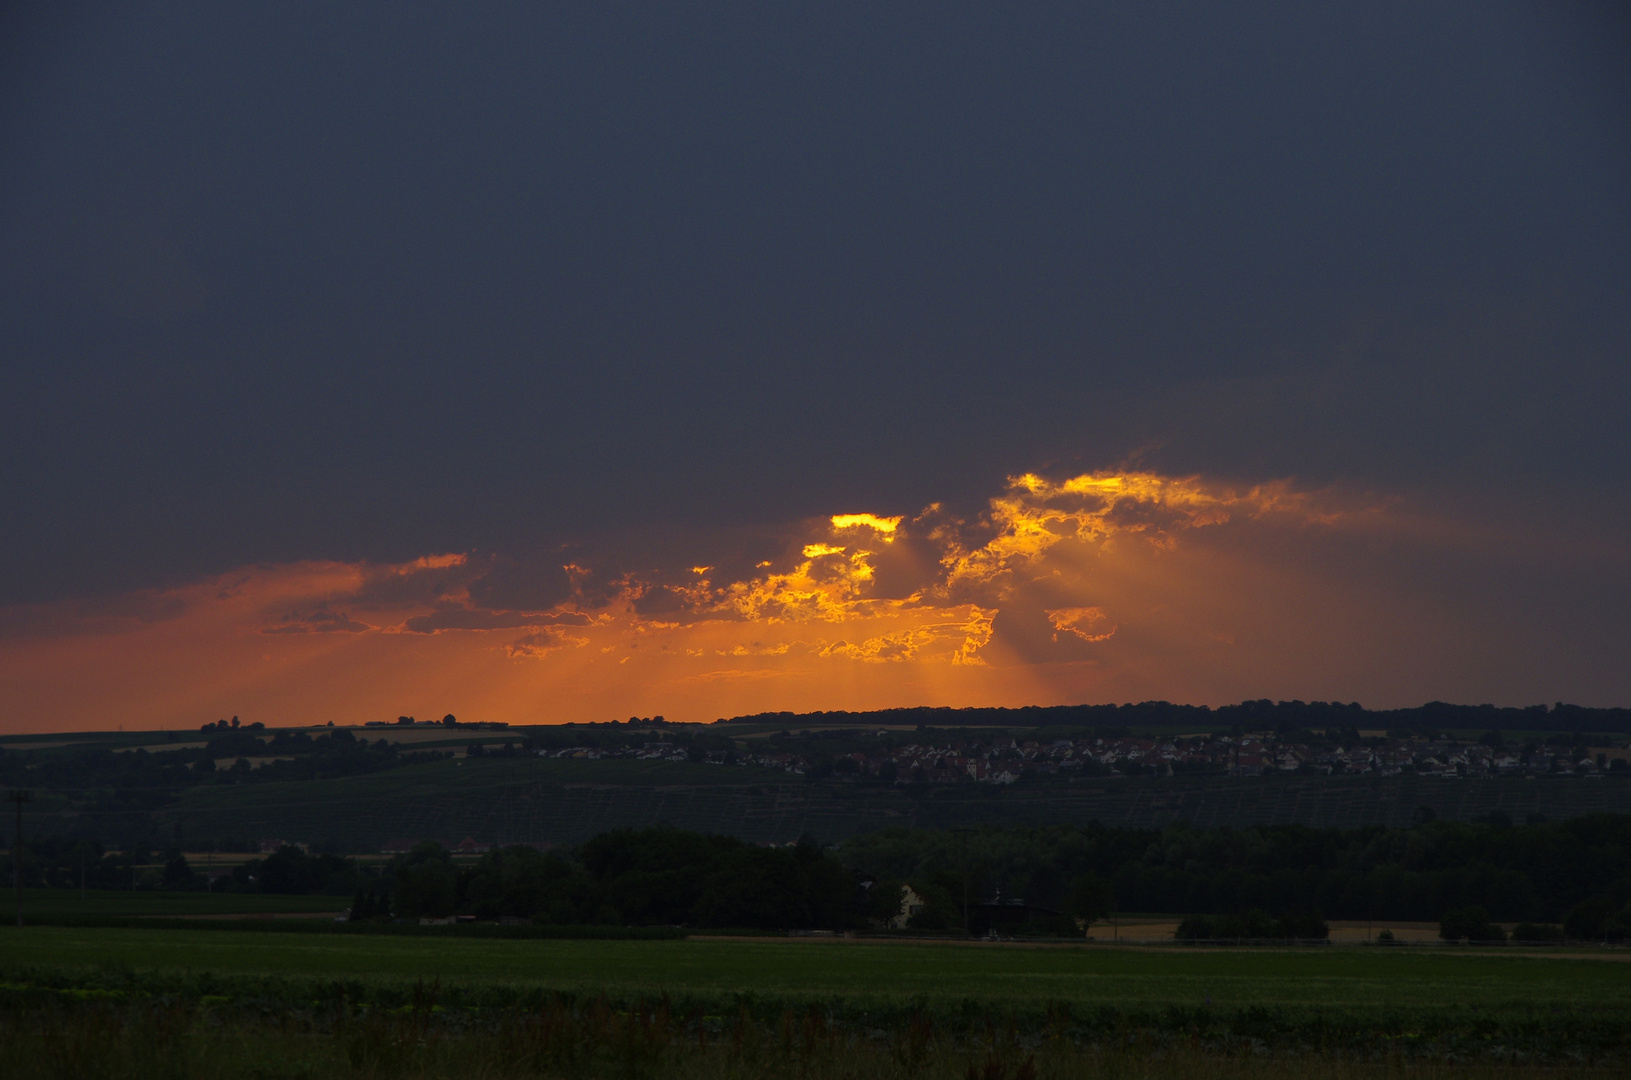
(1440, 713)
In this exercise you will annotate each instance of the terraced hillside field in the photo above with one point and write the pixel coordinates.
(544, 800)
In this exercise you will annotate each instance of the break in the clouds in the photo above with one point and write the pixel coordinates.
(363, 282)
(558, 361)
(1103, 586)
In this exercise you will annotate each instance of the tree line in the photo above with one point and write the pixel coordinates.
(1545, 872)
(1258, 715)
(1570, 877)
(628, 877)
(656, 876)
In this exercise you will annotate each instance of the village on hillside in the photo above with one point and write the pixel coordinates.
(1006, 760)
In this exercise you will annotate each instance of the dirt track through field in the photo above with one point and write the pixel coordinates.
(1609, 953)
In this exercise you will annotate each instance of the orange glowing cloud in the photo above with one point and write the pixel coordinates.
(884, 527)
(1080, 621)
(1035, 515)
(1121, 585)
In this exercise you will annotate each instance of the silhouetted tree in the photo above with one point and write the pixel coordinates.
(1469, 924)
(424, 883)
(1089, 899)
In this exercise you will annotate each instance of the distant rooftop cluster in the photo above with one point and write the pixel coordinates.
(1005, 760)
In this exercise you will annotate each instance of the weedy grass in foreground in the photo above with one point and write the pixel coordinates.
(177, 1043)
(119, 1022)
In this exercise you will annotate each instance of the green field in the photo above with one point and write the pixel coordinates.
(494, 800)
(860, 971)
(565, 801)
(209, 1003)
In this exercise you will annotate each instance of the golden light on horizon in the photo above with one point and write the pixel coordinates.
(1123, 585)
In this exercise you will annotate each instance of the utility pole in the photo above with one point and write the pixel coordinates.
(19, 797)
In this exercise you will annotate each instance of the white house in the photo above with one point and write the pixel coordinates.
(910, 904)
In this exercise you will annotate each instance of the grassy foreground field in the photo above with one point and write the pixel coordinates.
(866, 971)
(151, 1002)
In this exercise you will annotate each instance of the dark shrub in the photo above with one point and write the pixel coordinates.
(1469, 924)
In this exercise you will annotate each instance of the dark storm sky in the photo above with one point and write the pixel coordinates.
(284, 282)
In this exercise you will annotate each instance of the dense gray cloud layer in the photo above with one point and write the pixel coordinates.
(370, 282)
